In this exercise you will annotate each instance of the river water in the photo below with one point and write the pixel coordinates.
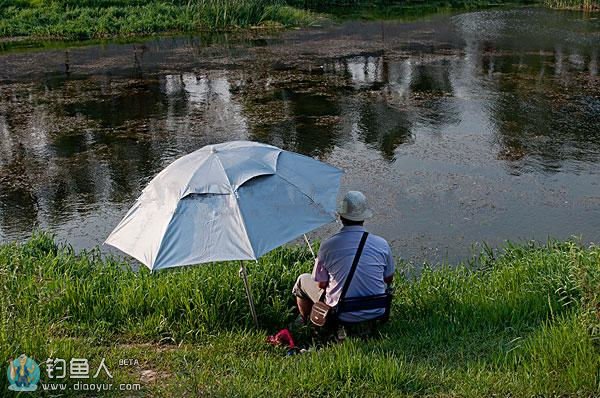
(461, 129)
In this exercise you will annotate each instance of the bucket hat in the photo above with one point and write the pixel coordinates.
(354, 207)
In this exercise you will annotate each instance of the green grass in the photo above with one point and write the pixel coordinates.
(526, 323)
(100, 19)
(77, 20)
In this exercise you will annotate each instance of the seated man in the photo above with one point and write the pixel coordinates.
(374, 271)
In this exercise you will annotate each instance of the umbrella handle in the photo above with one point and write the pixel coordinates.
(310, 247)
(244, 276)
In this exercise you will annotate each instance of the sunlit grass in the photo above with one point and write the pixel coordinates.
(67, 19)
(525, 323)
(100, 19)
(585, 5)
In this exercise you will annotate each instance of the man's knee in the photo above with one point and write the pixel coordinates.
(306, 288)
(301, 281)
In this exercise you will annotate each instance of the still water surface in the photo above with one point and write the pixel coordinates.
(464, 128)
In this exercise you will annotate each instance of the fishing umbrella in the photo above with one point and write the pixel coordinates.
(232, 201)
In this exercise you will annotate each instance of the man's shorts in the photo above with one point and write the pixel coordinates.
(307, 288)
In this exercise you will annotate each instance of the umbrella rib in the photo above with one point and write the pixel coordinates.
(162, 238)
(259, 175)
(262, 165)
(197, 167)
(317, 205)
(235, 195)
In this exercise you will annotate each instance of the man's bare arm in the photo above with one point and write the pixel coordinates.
(389, 279)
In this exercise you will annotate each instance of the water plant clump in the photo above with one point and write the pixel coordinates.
(521, 323)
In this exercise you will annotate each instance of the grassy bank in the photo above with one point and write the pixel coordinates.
(100, 19)
(76, 20)
(523, 324)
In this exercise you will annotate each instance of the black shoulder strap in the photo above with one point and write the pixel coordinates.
(353, 268)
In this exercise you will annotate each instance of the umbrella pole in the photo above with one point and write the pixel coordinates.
(309, 246)
(244, 276)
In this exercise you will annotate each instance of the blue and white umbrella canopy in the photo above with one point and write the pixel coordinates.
(232, 201)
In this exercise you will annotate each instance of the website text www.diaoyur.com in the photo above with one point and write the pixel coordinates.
(91, 387)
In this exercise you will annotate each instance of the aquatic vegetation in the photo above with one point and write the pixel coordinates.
(524, 322)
